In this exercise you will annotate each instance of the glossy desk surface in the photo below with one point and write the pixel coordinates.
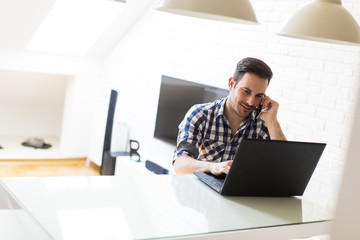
(15, 222)
(148, 207)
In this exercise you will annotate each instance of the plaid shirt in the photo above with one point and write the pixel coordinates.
(205, 133)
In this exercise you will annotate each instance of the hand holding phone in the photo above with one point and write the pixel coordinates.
(261, 110)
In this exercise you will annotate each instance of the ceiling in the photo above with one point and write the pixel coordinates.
(20, 19)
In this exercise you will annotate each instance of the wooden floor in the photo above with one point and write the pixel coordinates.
(46, 168)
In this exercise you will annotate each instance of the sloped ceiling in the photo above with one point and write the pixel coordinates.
(19, 20)
(132, 13)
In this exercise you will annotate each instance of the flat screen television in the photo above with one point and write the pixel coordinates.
(175, 99)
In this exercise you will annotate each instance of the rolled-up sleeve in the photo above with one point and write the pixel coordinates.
(190, 133)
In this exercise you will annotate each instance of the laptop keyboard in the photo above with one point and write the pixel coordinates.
(216, 182)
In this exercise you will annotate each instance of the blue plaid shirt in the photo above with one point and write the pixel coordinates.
(205, 133)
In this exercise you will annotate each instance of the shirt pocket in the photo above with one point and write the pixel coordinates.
(212, 150)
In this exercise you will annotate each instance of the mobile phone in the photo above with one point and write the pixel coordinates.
(258, 111)
(261, 110)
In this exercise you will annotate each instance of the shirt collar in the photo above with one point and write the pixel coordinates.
(221, 107)
(252, 115)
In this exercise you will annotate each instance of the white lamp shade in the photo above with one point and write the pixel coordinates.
(323, 21)
(239, 11)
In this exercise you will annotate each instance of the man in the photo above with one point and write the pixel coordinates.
(210, 133)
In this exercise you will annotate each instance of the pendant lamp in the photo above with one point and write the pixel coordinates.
(238, 11)
(323, 21)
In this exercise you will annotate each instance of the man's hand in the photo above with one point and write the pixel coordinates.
(187, 165)
(220, 168)
(270, 118)
(271, 107)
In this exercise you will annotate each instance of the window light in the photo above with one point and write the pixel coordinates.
(73, 26)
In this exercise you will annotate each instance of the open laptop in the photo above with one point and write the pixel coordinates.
(268, 168)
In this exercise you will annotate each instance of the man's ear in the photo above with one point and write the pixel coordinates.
(231, 83)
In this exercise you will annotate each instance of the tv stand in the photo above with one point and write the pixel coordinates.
(109, 164)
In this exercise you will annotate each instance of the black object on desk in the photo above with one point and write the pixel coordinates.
(155, 168)
(279, 169)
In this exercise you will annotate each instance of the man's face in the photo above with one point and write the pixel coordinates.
(247, 94)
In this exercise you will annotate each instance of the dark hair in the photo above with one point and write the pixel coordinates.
(252, 65)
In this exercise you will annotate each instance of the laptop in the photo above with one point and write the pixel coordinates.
(268, 168)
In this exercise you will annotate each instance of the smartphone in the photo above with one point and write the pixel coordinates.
(261, 110)
(258, 111)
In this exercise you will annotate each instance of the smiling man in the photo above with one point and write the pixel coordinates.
(210, 133)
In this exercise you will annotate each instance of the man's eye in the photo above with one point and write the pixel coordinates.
(247, 91)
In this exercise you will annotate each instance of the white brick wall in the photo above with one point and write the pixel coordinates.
(316, 84)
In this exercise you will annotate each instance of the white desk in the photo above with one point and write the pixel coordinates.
(15, 222)
(154, 207)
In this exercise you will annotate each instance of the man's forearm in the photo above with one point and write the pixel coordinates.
(187, 165)
(275, 131)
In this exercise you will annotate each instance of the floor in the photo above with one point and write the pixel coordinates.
(46, 168)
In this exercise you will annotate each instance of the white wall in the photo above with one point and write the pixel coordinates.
(316, 84)
(348, 210)
(31, 104)
(73, 124)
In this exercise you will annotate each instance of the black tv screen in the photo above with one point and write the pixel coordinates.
(176, 98)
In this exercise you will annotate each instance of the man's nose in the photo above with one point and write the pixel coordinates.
(251, 100)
